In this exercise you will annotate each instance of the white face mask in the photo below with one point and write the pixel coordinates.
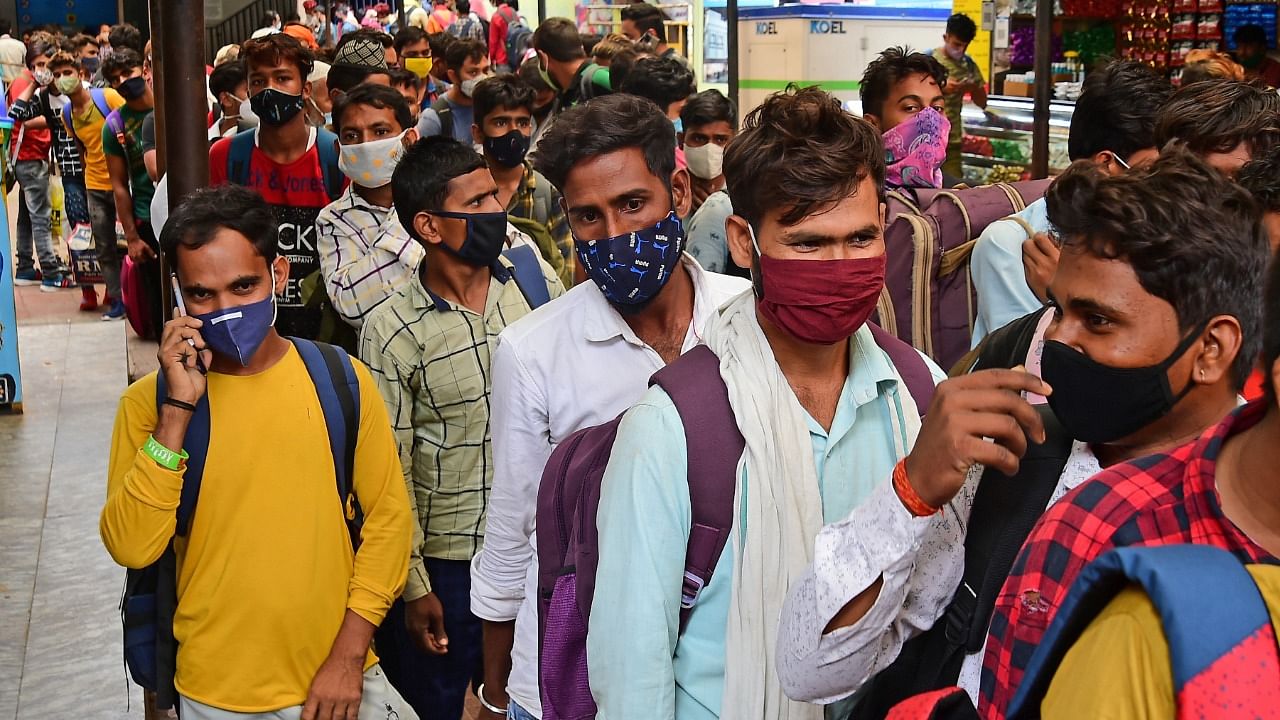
(371, 164)
(469, 86)
(247, 116)
(706, 161)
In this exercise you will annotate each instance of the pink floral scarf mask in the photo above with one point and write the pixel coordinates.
(914, 150)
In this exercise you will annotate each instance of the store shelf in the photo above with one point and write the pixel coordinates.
(996, 132)
(984, 161)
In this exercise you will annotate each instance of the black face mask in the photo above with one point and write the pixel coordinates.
(274, 107)
(1097, 403)
(507, 150)
(133, 88)
(486, 236)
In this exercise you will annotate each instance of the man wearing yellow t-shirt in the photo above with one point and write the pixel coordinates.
(87, 119)
(275, 611)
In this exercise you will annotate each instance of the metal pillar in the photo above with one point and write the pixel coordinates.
(181, 127)
(1043, 89)
(182, 141)
(731, 19)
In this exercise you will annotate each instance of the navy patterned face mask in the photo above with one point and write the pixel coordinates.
(632, 268)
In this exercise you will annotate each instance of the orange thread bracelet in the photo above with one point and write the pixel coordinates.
(907, 494)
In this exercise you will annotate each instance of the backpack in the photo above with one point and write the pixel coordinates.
(333, 329)
(547, 247)
(1222, 645)
(151, 594)
(240, 155)
(594, 82)
(133, 293)
(569, 496)
(99, 101)
(444, 111)
(527, 272)
(928, 299)
(1005, 509)
(519, 36)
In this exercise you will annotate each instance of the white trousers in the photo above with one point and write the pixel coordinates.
(379, 701)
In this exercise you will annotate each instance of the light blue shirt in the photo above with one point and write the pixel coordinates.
(708, 242)
(640, 666)
(998, 274)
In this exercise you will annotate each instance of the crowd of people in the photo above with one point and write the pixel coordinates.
(559, 327)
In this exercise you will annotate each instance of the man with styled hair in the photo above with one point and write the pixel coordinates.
(829, 409)
(614, 161)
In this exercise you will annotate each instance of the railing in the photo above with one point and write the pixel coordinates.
(237, 28)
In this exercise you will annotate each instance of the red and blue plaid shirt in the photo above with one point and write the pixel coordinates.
(1162, 499)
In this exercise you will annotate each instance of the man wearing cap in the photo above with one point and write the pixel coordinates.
(360, 57)
(302, 34)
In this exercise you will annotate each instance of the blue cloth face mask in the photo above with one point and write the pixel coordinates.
(237, 332)
(631, 269)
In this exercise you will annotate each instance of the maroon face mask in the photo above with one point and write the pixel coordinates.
(820, 301)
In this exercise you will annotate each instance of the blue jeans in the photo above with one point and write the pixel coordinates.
(435, 686)
(515, 712)
(34, 218)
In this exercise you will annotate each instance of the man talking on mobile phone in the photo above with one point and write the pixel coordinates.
(276, 601)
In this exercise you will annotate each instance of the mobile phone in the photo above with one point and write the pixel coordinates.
(181, 306)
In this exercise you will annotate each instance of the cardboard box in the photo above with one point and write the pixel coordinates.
(1019, 89)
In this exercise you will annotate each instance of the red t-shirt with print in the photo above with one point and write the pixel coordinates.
(296, 193)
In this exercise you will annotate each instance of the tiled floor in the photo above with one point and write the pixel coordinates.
(60, 653)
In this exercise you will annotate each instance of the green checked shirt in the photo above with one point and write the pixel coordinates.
(431, 359)
(538, 200)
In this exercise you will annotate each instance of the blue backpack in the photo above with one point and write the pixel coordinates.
(151, 594)
(1214, 617)
(100, 101)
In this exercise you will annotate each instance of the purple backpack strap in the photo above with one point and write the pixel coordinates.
(714, 447)
(913, 369)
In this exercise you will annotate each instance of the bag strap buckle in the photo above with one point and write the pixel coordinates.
(690, 590)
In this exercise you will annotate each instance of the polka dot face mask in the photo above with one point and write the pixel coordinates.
(370, 164)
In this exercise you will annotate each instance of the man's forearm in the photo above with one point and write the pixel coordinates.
(354, 638)
(499, 639)
(124, 211)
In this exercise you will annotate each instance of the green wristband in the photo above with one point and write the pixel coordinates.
(163, 456)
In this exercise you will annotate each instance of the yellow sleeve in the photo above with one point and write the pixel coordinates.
(1118, 669)
(139, 518)
(382, 561)
(114, 99)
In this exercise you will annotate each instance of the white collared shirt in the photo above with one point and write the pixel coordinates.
(570, 364)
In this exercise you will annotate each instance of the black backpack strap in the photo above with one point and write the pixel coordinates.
(1008, 346)
(714, 447)
(339, 392)
(444, 111)
(1005, 509)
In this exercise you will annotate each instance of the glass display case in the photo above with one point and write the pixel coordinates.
(997, 142)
